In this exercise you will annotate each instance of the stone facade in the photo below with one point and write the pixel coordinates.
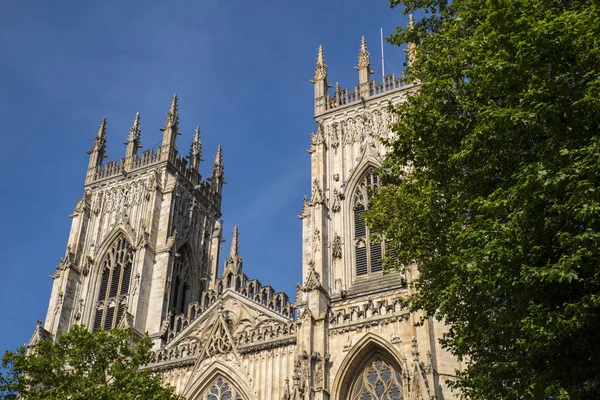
(144, 253)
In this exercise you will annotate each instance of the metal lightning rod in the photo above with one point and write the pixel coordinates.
(382, 59)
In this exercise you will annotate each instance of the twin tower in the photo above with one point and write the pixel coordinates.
(144, 249)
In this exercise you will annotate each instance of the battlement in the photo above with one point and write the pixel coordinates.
(367, 88)
(188, 167)
(342, 97)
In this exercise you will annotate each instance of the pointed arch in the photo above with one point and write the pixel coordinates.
(115, 233)
(112, 278)
(365, 354)
(184, 281)
(200, 386)
(366, 248)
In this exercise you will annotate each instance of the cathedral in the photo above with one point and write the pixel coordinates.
(144, 253)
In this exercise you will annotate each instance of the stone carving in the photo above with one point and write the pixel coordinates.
(336, 247)
(317, 193)
(336, 206)
(313, 280)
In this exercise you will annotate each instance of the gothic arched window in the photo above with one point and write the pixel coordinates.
(368, 251)
(180, 295)
(114, 284)
(222, 390)
(377, 379)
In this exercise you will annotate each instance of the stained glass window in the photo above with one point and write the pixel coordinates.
(378, 380)
(222, 390)
(114, 284)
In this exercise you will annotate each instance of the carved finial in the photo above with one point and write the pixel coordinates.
(411, 21)
(99, 144)
(364, 59)
(321, 68)
(133, 140)
(172, 118)
(234, 261)
(196, 150)
(39, 322)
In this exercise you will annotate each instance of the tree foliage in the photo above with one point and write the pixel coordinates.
(501, 205)
(103, 365)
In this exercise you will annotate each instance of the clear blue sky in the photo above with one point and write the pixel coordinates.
(241, 70)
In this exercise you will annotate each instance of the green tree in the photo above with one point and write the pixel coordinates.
(500, 204)
(103, 365)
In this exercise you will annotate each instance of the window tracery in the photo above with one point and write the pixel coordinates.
(369, 251)
(222, 390)
(377, 380)
(114, 284)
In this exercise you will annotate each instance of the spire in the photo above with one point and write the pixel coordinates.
(218, 168)
(364, 68)
(196, 150)
(234, 261)
(133, 140)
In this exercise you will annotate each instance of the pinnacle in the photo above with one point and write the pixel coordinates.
(135, 130)
(320, 56)
(411, 21)
(197, 135)
(234, 251)
(102, 128)
(173, 114)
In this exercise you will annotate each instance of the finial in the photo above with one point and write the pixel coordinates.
(320, 56)
(363, 44)
(39, 322)
(196, 150)
(321, 68)
(135, 132)
(411, 21)
(234, 250)
(173, 115)
(364, 57)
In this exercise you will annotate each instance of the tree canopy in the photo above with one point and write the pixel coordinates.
(491, 186)
(103, 365)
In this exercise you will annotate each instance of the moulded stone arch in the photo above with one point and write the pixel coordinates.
(198, 384)
(363, 350)
(115, 233)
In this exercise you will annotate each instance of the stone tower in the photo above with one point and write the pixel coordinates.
(353, 321)
(145, 237)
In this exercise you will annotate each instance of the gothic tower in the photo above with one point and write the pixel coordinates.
(145, 237)
(353, 321)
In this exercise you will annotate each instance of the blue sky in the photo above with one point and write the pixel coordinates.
(241, 70)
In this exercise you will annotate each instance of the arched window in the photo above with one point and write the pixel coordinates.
(222, 390)
(378, 378)
(181, 282)
(114, 284)
(368, 251)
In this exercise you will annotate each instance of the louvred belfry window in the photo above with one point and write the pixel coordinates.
(369, 252)
(115, 280)
(181, 282)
